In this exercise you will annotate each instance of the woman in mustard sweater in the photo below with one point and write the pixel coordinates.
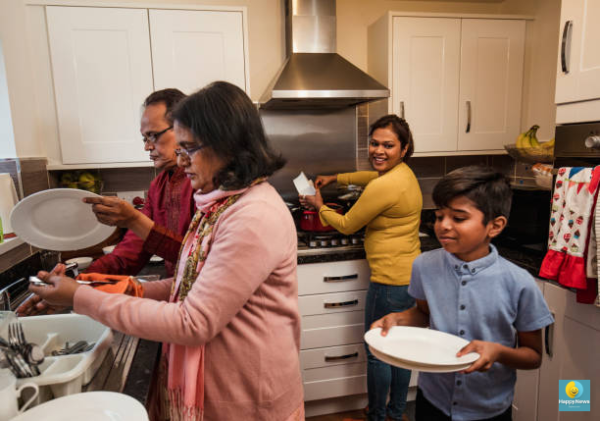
(390, 208)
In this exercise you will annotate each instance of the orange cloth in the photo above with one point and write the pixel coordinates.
(122, 285)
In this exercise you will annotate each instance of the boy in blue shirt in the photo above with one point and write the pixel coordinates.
(467, 289)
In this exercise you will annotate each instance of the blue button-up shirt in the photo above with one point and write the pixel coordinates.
(488, 299)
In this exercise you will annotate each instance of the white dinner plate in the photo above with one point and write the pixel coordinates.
(57, 219)
(418, 367)
(415, 345)
(88, 406)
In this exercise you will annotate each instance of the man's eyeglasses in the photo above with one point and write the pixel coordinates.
(188, 152)
(152, 138)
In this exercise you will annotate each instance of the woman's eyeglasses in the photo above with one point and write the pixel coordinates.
(152, 138)
(187, 152)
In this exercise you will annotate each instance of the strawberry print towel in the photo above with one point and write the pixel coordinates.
(573, 204)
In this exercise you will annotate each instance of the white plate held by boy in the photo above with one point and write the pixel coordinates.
(422, 347)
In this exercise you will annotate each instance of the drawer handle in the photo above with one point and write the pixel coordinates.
(549, 338)
(340, 278)
(341, 304)
(468, 117)
(340, 357)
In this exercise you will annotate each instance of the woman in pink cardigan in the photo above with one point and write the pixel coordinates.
(229, 319)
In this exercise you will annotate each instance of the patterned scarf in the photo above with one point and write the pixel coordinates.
(181, 371)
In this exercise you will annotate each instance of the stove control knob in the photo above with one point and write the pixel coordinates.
(335, 242)
(344, 241)
(312, 243)
(355, 240)
(593, 141)
(324, 243)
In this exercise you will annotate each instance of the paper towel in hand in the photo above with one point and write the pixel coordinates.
(304, 185)
(8, 199)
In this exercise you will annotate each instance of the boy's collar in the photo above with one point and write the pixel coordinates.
(461, 267)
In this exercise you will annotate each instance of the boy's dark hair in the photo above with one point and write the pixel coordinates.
(484, 186)
(170, 97)
(400, 128)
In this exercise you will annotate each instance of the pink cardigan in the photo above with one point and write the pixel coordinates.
(244, 307)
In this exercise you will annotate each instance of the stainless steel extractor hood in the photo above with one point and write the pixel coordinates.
(314, 75)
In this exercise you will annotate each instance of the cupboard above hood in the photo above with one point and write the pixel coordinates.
(314, 75)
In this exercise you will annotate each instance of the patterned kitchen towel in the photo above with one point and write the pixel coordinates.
(571, 218)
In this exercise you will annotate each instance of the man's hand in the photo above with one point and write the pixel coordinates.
(489, 353)
(386, 322)
(34, 305)
(113, 211)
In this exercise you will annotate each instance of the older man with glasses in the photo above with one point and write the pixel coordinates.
(160, 226)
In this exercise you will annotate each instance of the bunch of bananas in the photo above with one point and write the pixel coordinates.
(83, 180)
(528, 142)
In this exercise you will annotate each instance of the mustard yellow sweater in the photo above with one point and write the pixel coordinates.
(390, 207)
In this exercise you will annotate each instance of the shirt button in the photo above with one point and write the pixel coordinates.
(461, 333)
(456, 267)
(462, 307)
(472, 270)
(465, 266)
(458, 383)
(463, 283)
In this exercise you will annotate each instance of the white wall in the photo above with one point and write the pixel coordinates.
(7, 138)
(22, 32)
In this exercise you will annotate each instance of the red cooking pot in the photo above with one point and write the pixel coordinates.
(311, 222)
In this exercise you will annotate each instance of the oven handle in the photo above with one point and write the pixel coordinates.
(565, 47)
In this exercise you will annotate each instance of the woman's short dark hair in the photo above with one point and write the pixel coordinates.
(488, 189)
(170, 97)
(222, 117)
(400, 128)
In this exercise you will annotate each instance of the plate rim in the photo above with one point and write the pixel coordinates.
(19, 222)
(396, 362)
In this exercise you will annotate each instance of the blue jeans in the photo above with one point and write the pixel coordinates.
(381, 377)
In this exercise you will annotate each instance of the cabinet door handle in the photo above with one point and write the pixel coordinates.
(402, 110)
(340, 278)
(565, 46)
(340, 357)
(549, 338)
(468, 117)
(341, 304)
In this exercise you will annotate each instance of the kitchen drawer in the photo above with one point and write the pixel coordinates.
(331, 382)
(319, 278)
(332, 303)
(330, 356)
(332, 329)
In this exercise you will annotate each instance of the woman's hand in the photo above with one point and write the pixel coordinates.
(113, 211)
(489, 353)
(324, 180)
(60, 290)
(314, 202)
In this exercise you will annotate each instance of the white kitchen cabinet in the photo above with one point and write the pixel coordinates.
(333, 359)
(578, 73)
(191, 49)
(105, 61)
(457, 81)
(570, 353)
(102, 73)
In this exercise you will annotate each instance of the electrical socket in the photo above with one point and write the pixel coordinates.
(128, 196)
